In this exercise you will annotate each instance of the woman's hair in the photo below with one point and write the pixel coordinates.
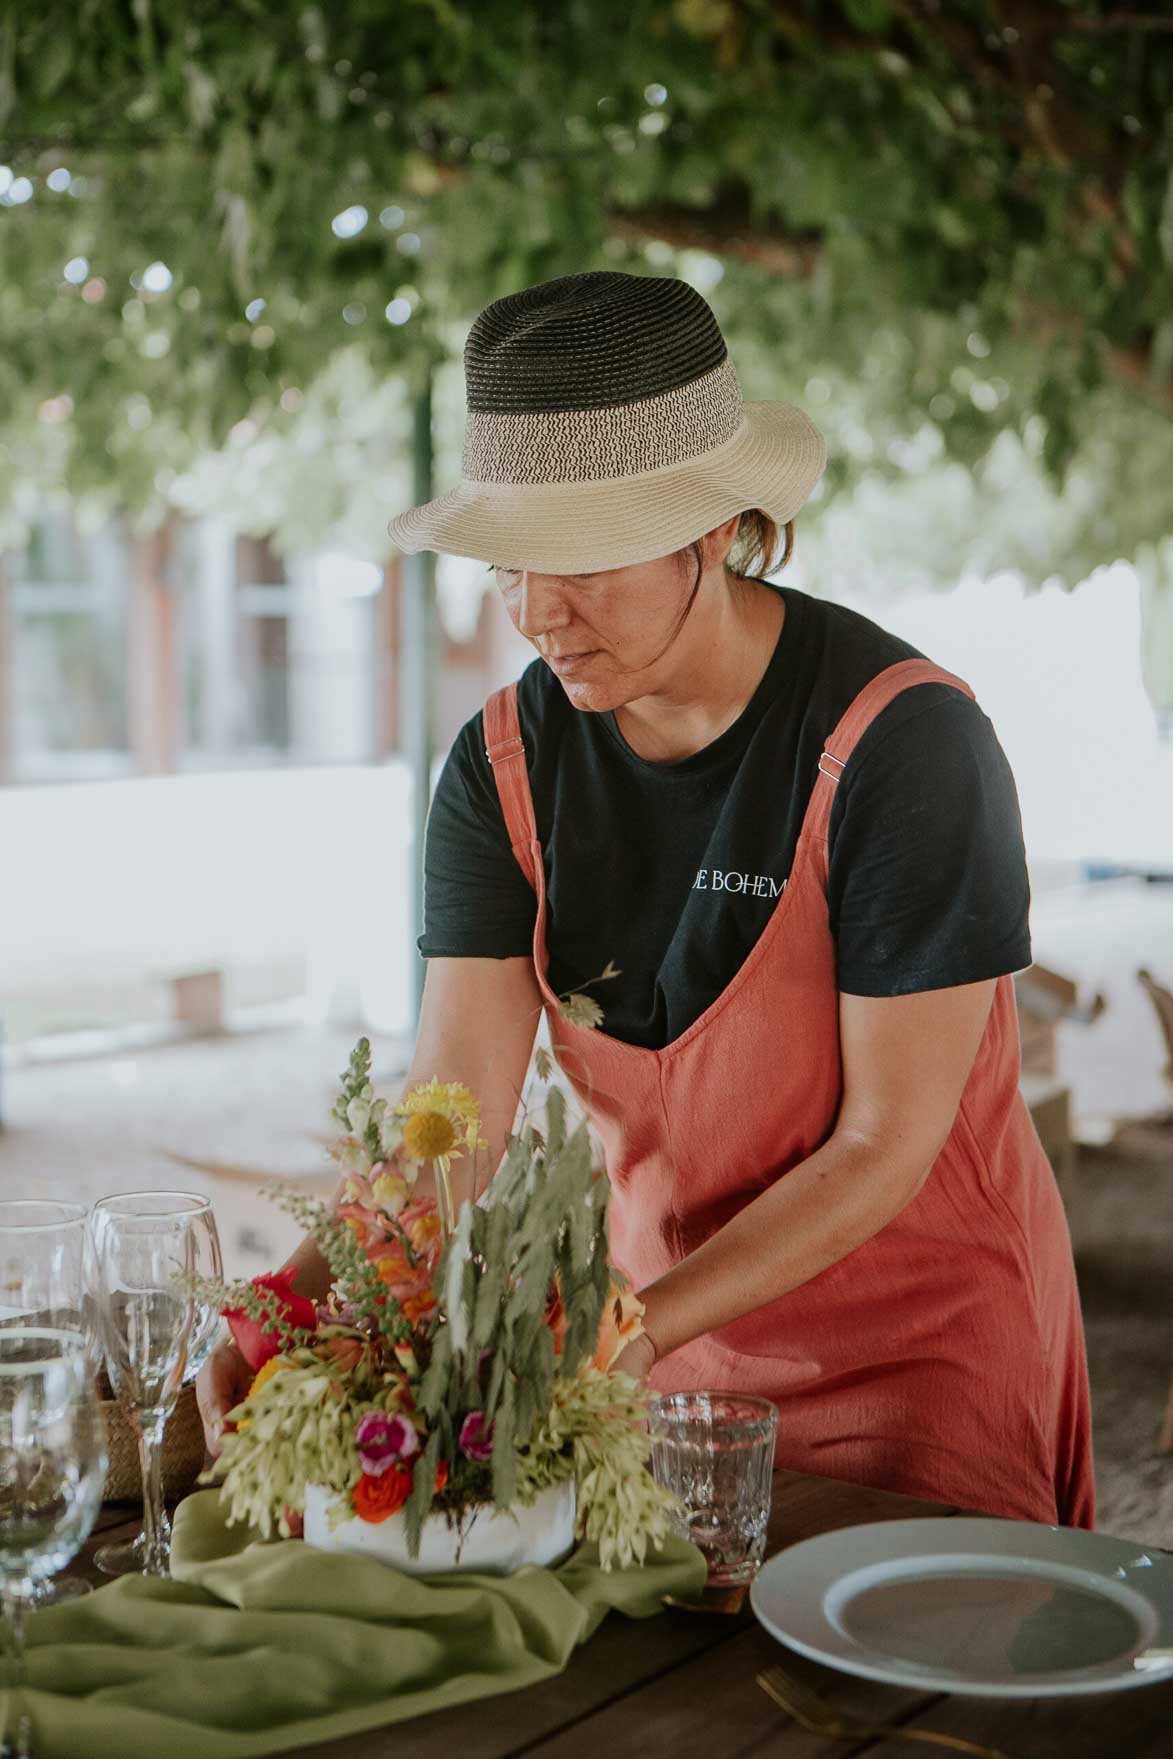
(755, 548)
(754, 551)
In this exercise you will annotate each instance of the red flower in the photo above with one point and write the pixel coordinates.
(257, 1343)
(377, 1498)
(556, 1315)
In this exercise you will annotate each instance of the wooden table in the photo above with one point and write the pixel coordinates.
(683, 1684)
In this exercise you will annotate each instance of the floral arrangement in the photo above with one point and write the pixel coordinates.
(464, 1354)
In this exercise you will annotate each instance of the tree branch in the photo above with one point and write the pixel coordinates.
(723, 232)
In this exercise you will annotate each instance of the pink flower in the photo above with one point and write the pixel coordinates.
(384, 1441)
(476, 1438)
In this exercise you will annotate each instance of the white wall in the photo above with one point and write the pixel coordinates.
(107, 882)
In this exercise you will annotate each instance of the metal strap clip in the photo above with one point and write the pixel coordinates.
(830, 774)
(505, 749)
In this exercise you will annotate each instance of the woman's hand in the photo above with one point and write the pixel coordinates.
(221, 1383)
(635, 1358)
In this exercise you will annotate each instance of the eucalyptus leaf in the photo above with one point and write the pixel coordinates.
(504, 1456)
(416, 1508)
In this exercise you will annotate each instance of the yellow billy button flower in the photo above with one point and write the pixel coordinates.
(429, 1105)
(443, 1119)
(428, 1136)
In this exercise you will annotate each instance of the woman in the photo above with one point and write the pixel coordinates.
(781, 852)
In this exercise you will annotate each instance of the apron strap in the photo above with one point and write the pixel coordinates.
(505, 750)
(871, 701)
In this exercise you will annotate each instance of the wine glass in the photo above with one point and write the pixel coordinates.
(143, 1257)
(52, 1470)
(42, 1247)
(41, 1250)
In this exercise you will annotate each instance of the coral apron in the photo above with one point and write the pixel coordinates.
(944, 1357)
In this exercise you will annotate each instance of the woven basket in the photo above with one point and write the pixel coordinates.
(183, 1448)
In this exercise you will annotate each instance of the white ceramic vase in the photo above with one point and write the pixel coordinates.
(489, 1539)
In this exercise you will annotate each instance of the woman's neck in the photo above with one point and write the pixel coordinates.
(729, 648)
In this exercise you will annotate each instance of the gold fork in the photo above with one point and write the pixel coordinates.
(820, 1718)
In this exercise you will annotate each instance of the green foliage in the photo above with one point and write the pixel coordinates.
(874, 183)
(264, 1306)
(292, 1432)
(596, 1419)
(543, 1218)
(352, 1272)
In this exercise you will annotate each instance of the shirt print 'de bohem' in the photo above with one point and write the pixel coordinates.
(755, 885)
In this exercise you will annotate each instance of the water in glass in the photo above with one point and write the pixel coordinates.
(42, 1249)
(52, 1470)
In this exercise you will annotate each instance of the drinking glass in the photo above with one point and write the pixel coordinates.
(716, 1451)
(143, 1256)
(42, 1246)
(52, 1470)
(41, 1250)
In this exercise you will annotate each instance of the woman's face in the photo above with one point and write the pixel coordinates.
(607, 637)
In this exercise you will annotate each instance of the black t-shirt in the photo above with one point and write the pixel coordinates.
(670, 870)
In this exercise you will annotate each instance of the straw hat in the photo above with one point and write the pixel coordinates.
(606, 426)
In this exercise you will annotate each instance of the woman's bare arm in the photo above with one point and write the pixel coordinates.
(906, 1060)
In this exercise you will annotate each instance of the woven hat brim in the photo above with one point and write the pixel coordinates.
(772, 462)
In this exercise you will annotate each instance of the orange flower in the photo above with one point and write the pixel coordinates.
(391, 1263)
(422, 1227)
(265, 1372)
(375, 1499)
(411, 1284)
(623, 1320)
(441, 1476)
(344, 1352)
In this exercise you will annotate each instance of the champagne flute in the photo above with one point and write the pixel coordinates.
(52, 1469)
(143, 1259)
(207, 1262)
(128, 1556)
(42, 1248)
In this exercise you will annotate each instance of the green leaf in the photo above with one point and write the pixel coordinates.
(423, 1489)
(504, 1457)
(55, 62)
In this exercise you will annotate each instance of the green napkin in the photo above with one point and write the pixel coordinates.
(261, 1647)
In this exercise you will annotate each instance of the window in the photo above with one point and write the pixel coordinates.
(66, 688)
